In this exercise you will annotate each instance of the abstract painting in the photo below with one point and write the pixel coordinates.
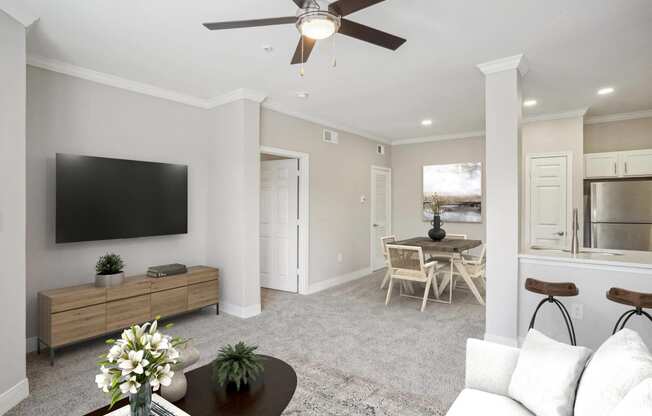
(459, 189)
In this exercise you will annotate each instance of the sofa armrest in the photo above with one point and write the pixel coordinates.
(489, 366)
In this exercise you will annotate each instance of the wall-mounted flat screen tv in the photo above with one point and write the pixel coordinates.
(102, 199)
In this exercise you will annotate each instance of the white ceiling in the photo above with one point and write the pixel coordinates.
(573, 47)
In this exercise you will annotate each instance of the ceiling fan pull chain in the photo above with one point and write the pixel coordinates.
(301, 71)
(334, 52)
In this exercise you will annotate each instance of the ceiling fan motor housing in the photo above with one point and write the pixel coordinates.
(318, 24)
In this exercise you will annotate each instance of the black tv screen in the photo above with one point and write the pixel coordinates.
(102, 199)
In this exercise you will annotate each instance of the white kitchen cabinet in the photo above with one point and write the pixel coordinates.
(636, 163)
(601, 165)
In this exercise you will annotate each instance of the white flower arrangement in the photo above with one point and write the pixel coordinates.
(142, 355)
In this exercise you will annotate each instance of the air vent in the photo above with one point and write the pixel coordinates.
(380, 149)
(330, 136)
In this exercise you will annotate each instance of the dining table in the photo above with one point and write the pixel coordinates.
(452, 248)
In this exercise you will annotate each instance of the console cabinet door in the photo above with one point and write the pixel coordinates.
(202, 294)
(169, 302)
(123, 313)
(78, 324)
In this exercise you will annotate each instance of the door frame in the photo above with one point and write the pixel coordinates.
(372, 206)
(304, 212)
(528, 188)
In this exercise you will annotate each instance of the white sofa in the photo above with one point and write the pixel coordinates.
(489, 369)
(617, 379)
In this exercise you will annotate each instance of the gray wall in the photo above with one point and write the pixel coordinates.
(69, 115)
(407, 163)
(618, 136)
(12, 208)
(339, 175)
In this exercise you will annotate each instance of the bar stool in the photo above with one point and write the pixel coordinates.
(551, 290)
(628, 297)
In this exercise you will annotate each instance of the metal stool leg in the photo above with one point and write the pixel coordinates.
(564, 313)
(534, 316)
(628, 315)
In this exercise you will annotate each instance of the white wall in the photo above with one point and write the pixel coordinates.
(70, 115)
(599, 314)
(565, 135)
(339, 175)
(618, 136)
(407, 178)
(13, 382)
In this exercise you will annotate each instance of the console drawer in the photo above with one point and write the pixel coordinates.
(126, 312)
(203, 294)
(169, 302)
(78, 324)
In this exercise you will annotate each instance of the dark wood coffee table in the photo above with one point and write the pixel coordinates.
(269, 395)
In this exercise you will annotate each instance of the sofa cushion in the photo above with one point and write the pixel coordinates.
(638, 401)
(546, 375)
(475, 402)
(620, 364)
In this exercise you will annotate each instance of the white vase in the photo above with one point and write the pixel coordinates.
(188, 355)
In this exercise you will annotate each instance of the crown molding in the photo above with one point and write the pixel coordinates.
(439, 138)
(114, 81)
(18, 12)
(503, 64)
(580, 112)
(274, 106)
(239, 94)
(618, 117)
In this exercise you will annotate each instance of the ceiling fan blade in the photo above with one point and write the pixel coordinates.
(371, 35)
(300, 3)
(307, 44)
(346, 7)
(251, 23)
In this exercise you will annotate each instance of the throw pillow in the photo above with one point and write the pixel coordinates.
(547, 374)
(619, 365)
(638, 401)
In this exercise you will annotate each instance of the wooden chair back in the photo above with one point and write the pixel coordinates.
(406, 261)
(387, 240)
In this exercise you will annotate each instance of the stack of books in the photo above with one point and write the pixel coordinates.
(167, 270)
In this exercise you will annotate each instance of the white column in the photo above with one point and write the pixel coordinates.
(503, 116)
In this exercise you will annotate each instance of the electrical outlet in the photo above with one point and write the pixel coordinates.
(577, 311)
(340, 257)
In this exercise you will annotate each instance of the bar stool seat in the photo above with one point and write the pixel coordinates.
(638, 300)
(552, 290)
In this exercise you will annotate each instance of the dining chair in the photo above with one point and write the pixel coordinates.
(476, 268)
(446, 259)
(383, 243)
(407, 264)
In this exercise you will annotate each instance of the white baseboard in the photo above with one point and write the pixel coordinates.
(499, 339)
(32, 343)
(338, 280)
(238, 311)
(13, 396)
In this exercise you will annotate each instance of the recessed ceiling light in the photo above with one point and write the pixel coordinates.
(303, 95)
(427, 122)
(605, 90)
(529, 103)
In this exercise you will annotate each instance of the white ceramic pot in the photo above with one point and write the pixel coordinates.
(188, 355)
(109, 280)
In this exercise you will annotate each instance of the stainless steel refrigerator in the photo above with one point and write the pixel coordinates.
(621, 215)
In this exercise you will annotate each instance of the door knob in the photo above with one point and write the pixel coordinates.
(560, 233)
(376, 225)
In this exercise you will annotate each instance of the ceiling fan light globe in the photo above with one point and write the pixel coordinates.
(318, 25)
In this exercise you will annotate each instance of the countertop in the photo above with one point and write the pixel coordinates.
(613, 258)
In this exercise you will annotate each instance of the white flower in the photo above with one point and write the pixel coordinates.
(135, 363)
(134, 333)
(104, 380)
(130, 386)
(172, 355)
(115, 352)
(162, 377)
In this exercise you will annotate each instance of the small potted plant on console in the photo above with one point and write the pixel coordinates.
(109, 271)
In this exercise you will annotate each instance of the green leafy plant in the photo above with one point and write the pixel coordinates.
(109, 264)
(237, 364)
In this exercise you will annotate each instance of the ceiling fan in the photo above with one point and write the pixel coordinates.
(316, 23)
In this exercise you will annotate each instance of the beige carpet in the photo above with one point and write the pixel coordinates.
(352, 355)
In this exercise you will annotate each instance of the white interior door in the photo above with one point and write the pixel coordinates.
(381, 214)
(549, 201)
(278, 224)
